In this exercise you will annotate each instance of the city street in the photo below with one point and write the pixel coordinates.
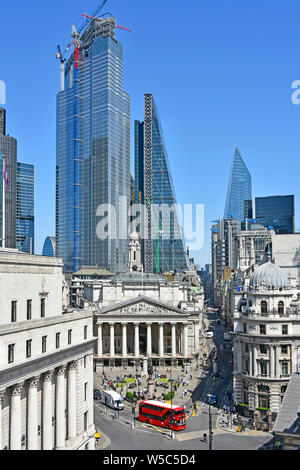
(145, 437)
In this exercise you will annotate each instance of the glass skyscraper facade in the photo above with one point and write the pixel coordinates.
(8, 148)
(239, 189)
(163, 246)
(25, 207)
(104, 151)
(277, 212)
(49, 247)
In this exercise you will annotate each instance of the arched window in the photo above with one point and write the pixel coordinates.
(281, 307)
(264, 306)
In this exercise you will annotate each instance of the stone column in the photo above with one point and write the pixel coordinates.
(47, 411)
(186, 340)
(254, 361)
(112, 339)
(239, 358)
(251, 368)
(72, 400)
(124, 340)
(136, 340)
(15, 418)
(2, 393)
(99, 341)
(60, 408)
(271, 367)
(161, 340)
(32, 442)
(173, 339)
(196, 329)
(149, 340)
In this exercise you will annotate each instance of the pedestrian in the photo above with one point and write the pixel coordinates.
(182, 394)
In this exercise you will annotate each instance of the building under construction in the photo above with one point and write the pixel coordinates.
(93, 149)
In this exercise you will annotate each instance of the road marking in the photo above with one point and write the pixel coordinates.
(188, 436)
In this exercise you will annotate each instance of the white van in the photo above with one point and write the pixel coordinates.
(113, 400)
(209, 334)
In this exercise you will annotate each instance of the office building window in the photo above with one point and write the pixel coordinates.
(85, 391)
(43, 307)
(84, 362)
(69, 336)
(263, 368)
(44, 344)
(57, 341)
(264, 306)
(284, 329)
(284, 368)
(284, 349)
(280, 308)
(263, 349)
(29, 309)
(11, 353)
(28, 348)
(14, 311)
(262, 329)
(85, 332)
(85, 420)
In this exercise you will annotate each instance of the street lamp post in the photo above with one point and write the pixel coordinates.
(209, 424)
(172, 416)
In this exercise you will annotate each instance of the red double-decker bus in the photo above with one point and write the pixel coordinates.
(162, 414)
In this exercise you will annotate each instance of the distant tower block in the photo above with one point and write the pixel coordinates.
(135, 253)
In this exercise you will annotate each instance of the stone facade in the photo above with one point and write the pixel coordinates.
(146, 328)
(46, 359)
(266, 323)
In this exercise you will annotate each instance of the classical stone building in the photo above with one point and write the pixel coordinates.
(266, 322)
(141, 315)
(46, 359)
(146, 328)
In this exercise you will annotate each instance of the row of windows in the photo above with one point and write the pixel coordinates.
(11, 347)
(264, 307)
(28, 309)
(263, 331)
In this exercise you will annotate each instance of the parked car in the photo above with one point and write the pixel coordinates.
(97, 394)
(209, 334)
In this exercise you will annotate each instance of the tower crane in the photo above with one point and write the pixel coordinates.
(61, 56)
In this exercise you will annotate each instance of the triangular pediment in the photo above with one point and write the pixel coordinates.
(141, 306)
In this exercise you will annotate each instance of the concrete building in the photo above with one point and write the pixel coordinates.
(46, 359)
(266, 324)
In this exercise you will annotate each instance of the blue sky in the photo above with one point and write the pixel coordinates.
(221, 75)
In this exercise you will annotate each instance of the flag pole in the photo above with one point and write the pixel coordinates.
(3, 201)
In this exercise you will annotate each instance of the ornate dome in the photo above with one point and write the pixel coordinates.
(134, 236)
(269, 275)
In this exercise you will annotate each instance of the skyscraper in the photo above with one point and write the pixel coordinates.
(276, 211)
(8, 148)
(103, 162)
(239, 189)
(25, 207)
(2, 121)
(49, 247)
(163, 247)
